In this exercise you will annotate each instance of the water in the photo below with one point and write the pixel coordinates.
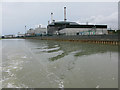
(57, 64)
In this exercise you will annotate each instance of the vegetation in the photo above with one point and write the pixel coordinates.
(118, 31)
(113, 31)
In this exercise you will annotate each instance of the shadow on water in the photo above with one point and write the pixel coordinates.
(57, 57)
(76, 48)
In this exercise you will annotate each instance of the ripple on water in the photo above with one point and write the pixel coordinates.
(51, 49)
(61, 85)
(24, 57)
(54, 79)
(9, 71)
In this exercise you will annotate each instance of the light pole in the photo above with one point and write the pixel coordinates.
(25, 30)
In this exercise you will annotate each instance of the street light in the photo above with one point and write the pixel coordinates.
(25, 30)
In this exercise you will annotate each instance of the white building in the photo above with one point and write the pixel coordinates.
(9, 36)
(40, 31)
(20, 35)
(37, 31)
(83, 31)
(31, 31)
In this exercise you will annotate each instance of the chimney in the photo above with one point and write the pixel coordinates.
(65, 14)
(48, 22)
(51, 17)
(39, 26)
(86, 23)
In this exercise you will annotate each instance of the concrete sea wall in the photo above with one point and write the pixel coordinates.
(104, 39)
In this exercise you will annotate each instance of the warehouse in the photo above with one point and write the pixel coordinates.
(73, 28)
(37, 31)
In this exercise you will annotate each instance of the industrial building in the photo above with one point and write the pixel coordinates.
(67, 28)
(9, 36)
(37, 31)
(30, 32)
(20, 34)
(73, 28)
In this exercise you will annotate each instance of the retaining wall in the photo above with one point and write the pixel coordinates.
(110, 39)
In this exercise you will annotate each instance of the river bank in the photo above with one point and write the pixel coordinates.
(100, 39)
(103, 39)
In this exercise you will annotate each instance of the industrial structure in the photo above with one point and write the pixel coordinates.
(9, 36)
(73, 28)
(37, 31)
(67, 28)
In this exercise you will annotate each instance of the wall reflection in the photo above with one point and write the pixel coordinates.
(77, 48)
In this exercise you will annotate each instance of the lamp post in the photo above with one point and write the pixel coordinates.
(25, 30)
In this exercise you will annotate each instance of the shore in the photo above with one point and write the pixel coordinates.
(103, 39)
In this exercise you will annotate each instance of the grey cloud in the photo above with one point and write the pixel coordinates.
(111, 20)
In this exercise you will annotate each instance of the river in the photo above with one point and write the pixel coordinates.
(29, 63)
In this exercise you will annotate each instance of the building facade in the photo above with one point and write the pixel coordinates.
(9, 36)
(30, 32)
(73, 28)
(40, 31)
(37, 31)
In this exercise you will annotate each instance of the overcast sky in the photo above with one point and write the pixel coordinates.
(18, 14)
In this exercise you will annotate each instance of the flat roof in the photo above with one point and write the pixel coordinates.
(75, 25)
(62, 22)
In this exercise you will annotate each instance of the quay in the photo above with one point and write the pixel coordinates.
(98, 39)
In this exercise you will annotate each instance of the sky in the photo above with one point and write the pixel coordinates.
(119, 15)
(15, 15)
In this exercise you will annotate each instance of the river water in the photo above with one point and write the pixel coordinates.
(58, 64)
